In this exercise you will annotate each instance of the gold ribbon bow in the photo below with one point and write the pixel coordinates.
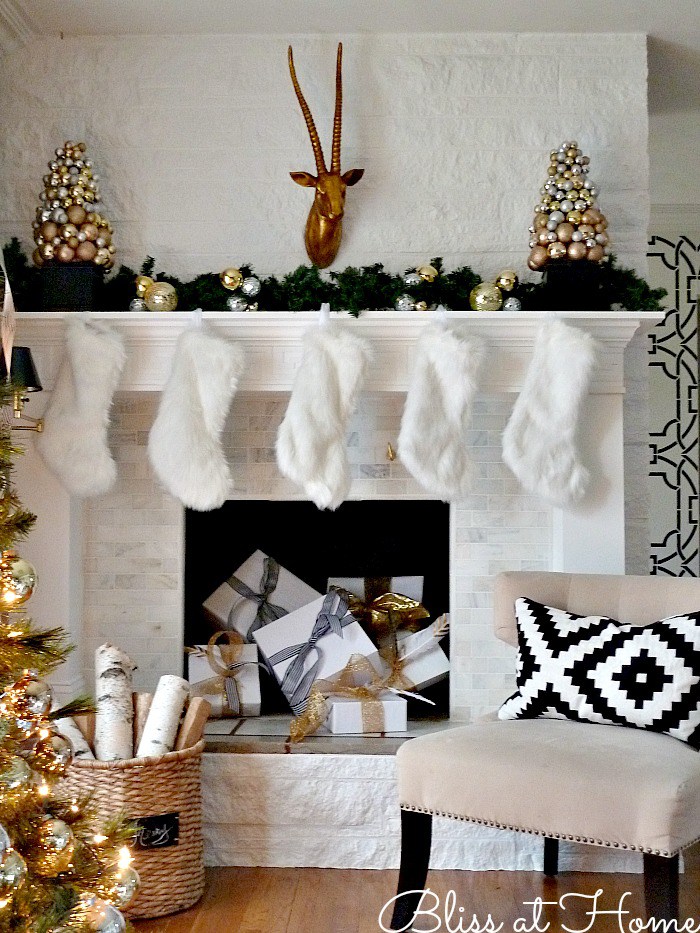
(358, 680)
(381, 615)
(224, 682)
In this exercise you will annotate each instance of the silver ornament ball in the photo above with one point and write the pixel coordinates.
(137, 304)
(512, 304)
(405, 303)
(250, 286)
(411, 279)
(237, 303)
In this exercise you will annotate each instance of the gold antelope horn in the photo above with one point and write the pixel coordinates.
(338, 116)
(311, 126)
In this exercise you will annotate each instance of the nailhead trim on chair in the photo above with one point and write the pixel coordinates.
(539, 832)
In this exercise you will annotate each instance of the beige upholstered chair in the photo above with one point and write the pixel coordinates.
(604, 785)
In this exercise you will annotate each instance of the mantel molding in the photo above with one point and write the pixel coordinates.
(272, 342)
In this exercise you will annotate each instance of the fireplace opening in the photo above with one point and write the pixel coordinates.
(365, 539)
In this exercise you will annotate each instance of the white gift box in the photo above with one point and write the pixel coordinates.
(207, 683)
(232, 611)
(406, 586)
(345, 714)
(334, 651)
(427, 663)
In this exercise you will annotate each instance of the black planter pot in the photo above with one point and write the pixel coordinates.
(573, 285)
(70, 286)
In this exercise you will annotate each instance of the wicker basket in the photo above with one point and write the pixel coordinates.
(172, 877)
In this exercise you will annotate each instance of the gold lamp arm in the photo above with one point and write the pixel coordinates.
(34, 424)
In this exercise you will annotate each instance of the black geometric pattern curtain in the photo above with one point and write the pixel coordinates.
(675, 265)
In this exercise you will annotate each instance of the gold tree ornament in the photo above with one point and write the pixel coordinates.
(13, 874)
(143, 283)
(427, 273)
(17, 580)
(324, 225)
(55, 844)
(507, 280)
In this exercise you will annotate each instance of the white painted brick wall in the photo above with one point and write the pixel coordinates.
(194, 137)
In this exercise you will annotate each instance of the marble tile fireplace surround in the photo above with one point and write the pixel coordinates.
(112, 568)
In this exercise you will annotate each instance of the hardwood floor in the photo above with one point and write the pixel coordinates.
(311, 900)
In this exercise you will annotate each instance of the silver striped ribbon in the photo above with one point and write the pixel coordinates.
(296, 684)
(267, 611)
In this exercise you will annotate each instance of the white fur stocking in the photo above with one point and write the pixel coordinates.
(432, 441)
(539, 442)
(184, 444)
(311, 439)
(74, 441)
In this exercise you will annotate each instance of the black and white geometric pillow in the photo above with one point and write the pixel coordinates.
(593, 669)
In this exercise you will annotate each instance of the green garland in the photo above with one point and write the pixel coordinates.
(354, 289)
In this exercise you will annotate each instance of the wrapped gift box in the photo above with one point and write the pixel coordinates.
(370, 587)
(295, 630)
(352, 717)
(207, 683)
(233, 611)
(426, 662)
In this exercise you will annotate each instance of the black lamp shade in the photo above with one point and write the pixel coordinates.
(22, 370)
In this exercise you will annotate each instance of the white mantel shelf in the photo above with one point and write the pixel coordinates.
(272, 342)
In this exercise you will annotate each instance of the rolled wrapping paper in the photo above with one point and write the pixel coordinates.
(70, 730)
(160, 731)
(114, 718)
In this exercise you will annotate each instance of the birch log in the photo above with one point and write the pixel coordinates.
(161, 727)
(69, 730)
(114, 720)
(142, 706)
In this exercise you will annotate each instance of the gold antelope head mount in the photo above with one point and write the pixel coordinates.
(324, 226)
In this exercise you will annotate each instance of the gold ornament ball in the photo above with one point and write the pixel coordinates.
(49, 229)
(556, 250)
(13, 872)
(15, 775)
(28, 698)
(64, 253)
(124, 886)
(427, 273)
(17, 579)
(421, 306)
(507, 280)
(102, 257)
(53, 754)
(143, 282)
(537, 258)
(564, 232)
(76, 214)
(596, 253)
(576, 250)
(231, 278)
(485, 297)
(56, 844)
(86, 251)
(161, 296)
(37, 258)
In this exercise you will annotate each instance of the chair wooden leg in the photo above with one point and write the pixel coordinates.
(551, 857)
(416, 837)
(661, 887)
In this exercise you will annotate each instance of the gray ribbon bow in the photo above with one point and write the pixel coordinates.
(233, 695)
(267, 611)
(296, 685)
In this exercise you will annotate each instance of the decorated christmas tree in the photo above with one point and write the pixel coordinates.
(568, 224)
(59, 870)
(69, 226)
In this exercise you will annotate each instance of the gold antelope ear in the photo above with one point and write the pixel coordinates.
(352, 176)
(305, 179)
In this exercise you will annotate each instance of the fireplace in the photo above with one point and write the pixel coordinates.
(363, 538)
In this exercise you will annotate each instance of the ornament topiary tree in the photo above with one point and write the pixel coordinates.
(568, 224)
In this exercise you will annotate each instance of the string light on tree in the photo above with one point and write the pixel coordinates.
(567, 223)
